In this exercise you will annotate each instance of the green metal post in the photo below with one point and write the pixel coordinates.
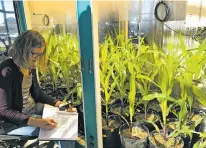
(90, 80)
(19, 7)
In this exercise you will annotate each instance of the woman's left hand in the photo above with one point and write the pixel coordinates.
(70, 108)
(58, 103)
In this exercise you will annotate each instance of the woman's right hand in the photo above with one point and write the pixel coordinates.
(42, 123)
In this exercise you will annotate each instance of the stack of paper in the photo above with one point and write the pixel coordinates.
(67, 125)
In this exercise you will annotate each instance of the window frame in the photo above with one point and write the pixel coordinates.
(4, 12)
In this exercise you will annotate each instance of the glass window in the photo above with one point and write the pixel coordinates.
(2, 32)
(8, 25)
(8, 5)
(12, 25)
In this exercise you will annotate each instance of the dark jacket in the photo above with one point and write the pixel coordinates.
(11, 100)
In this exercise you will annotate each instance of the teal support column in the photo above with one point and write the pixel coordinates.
(90, 76)
(21, 15)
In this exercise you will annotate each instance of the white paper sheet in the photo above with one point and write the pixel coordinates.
(67, 125)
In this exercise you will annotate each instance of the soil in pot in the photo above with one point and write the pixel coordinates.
(135, 139)
(116, 108)
(172, 125)
(111, 138)
(140, 117)
(157, 140)
(195, 116)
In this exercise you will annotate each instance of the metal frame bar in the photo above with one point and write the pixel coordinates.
(5, 22)
(88, 41)
(20, 16)
(4, 11)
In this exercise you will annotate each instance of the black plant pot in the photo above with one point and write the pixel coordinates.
(152, 145)
(200, 127)
(122, 107)
(111, 137)
(154, 105)
(186, 139)
(104, 107)
(117, 108)
(130, 142)
(48, 89)
(78, 106)
(61, 93)
(81, 120)
(140, 117)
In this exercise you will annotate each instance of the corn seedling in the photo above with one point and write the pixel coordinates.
(63, 63)
(106, 71)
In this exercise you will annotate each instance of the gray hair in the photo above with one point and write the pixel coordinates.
(23, 45)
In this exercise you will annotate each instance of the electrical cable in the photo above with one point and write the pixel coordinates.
(45, 20)
(178, 32)
(200, 34)
(167, 15)
(167, 11)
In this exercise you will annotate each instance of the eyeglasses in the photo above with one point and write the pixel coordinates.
(35, 55)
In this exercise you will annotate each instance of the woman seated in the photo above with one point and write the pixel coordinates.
(21, 99)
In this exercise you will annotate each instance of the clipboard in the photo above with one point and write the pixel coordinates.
(67, 125)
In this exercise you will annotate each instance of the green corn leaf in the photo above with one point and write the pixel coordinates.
(154, 124)
(203, 135)
(200, 144)
(146, 78)
(200, 95)
(197, 145)
(185, 130)
(132, 94)
(169, 108)
(159, 96)
(183, 47)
